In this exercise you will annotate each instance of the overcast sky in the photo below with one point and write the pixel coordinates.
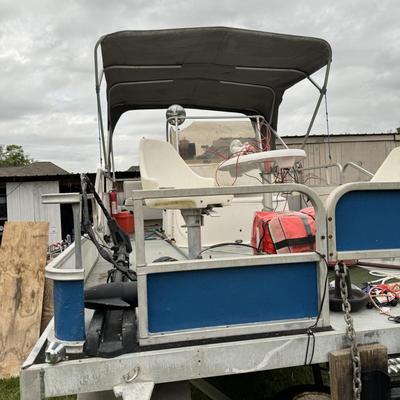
(47, 97)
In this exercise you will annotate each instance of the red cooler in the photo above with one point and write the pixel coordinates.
(126, 221)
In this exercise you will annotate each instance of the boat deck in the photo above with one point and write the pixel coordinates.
(365, 320)
(370, 325)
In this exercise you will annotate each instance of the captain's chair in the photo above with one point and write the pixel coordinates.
(161, 167)
(389, 171)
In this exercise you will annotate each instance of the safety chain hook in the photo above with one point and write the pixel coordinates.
(341, 273)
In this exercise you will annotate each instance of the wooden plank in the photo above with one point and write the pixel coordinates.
(373, 356)
(47, 308)
(23, 256)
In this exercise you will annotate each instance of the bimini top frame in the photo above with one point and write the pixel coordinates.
(214, 68)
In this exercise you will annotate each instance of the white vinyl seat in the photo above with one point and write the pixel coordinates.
(389, 171)
(161, 167)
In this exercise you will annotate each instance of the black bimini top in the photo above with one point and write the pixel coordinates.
(215, 68)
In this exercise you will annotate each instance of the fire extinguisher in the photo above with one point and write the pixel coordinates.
(112, 195)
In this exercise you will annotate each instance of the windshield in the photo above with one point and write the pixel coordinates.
(208, 142)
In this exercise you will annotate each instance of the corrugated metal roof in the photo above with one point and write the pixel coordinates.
(347, 134)
(38, 168)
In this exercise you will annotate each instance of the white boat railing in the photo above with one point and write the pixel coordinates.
(341, 170)
(357, 167)
(65, 261)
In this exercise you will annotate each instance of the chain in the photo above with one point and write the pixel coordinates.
(341, 272)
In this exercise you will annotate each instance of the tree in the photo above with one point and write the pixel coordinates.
(13, 155)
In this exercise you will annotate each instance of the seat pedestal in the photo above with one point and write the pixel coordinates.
(193, 220)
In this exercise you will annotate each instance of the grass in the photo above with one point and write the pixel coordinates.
(9, 390)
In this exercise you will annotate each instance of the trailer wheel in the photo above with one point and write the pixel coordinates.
(304, 392)
(312, 396)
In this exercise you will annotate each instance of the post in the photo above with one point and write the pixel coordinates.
(267, 197)
(193, 220)
(76, 211)
(373, 358)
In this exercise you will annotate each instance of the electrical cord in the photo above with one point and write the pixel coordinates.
(254, 177)
(277, 201)
(103, 251)
(372, 295)
(310, 329)
(214, 246)
(255, 147)
(100, 244)
(380, 288)
(164, 237)
(88, 228)
(260, 243)
(237, 155)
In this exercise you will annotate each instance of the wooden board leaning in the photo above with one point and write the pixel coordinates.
(23, 256)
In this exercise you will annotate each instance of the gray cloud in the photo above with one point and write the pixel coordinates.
(47, 100)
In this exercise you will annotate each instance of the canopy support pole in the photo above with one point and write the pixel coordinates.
(99, 111)
(322, 93)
